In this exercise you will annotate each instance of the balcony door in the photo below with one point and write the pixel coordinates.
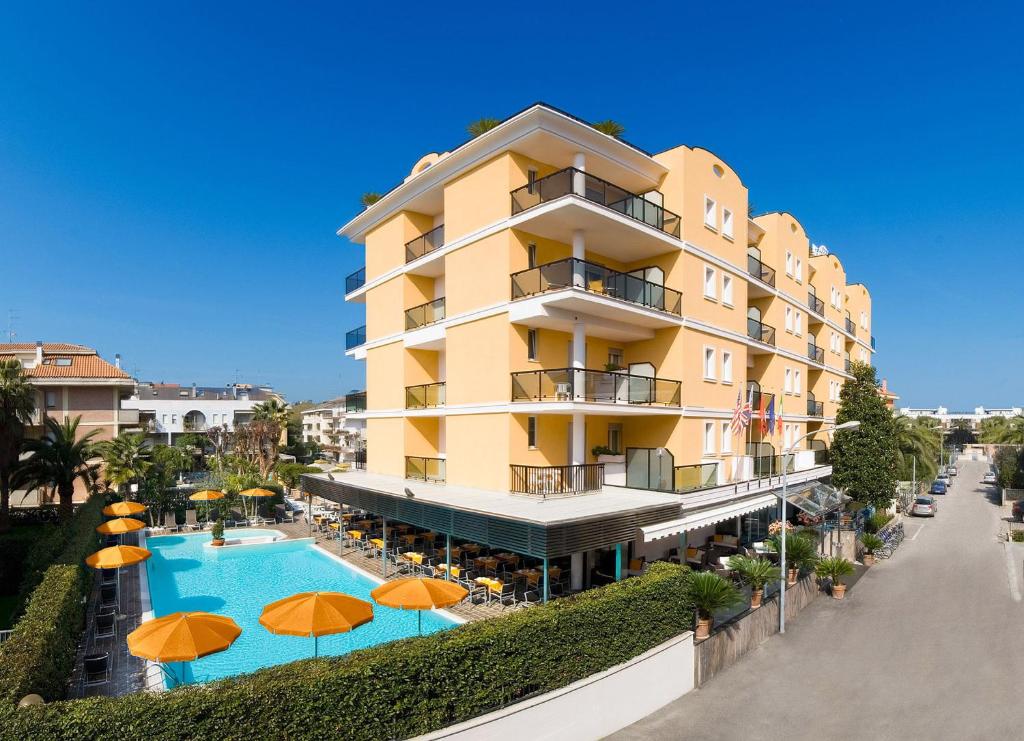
(649, 468)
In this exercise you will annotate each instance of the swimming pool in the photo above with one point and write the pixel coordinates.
(186, 574)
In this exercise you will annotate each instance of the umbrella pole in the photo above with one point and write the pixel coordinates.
(419, 622)
(316, 646)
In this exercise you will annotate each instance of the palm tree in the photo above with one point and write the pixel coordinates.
(918, 441)
(272, 410)
(17, 404)
(60, 459)
(127, 459)
(481, 126)
(1013, 433)
(994, 429)
(610, 127)
(368, 199)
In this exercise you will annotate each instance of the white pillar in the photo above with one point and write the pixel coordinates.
(579, 362)
(576, 572)
(579, 440)
(579, 249)
(579, 161)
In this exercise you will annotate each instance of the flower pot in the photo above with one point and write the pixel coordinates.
(838, 591)
(792, 577)
(703, 628)
(755, 598)
(217, 541)
(869, 559)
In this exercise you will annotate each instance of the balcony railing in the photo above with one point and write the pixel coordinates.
(424, 314)
(424, 396)
(847, 364)
(761, 332)
(424, 469)
(872, 342)
(760, 271)
(355, 402)
(851, 328)
(596, 278)
(611, 387)
(815, 353)
(571, 181)
(815, 304)
(355, 337)
(815, 408)
(127, 416)
(557, 480)
(755, 399)
(821, 456)
(424, 243)
(693, 477)
(771, 465)
(355, 281)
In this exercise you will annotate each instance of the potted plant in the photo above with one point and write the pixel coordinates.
(801, 554)
(217, 532)
(710, 593)
(756, 572)
(871, 543)
(835, 569)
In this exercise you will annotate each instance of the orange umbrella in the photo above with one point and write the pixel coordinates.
(182, 636)
(419, 594)
(117, 556)
(256, 493)
(207, 495)
(120, 509)
(120, 526)
(315, 614)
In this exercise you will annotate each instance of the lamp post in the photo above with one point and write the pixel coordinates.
(853, 424)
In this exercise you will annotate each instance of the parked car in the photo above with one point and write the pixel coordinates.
(989, 478)
(924, 507)
(1018, 510)
(938, 487)
(944, 478)
(951, 470)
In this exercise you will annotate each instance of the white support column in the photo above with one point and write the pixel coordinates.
(576, 572)
(579, 183)
(579, 249)
(579, 439)
(579, 363)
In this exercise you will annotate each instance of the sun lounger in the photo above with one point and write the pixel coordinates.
(97, 669)
(105, 625)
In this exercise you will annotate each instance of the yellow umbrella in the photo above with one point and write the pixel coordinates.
(419, 594)
(117, 556)
(256, 493)
(315, 614)
(207, 495)
(120, 509)
(120, 526)
(182, 636)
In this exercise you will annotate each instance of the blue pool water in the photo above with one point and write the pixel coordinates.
(185, 575)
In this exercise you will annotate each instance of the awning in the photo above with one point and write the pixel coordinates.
(815, 498)
(709, 516)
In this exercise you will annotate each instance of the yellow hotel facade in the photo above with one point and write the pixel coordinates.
(553, 312)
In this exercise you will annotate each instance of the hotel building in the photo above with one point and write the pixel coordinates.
(555, 315)
(334, 430)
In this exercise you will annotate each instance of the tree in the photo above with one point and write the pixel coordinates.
(368, 199)
(258, 442)
(126, 460)
(273, 409)
(1011, 432)
(865, 461)
(60, 459)
(482, 125)
(992, 429)
(1007, 462)
(918, 442)
(961, 433)
(220, 438)
(17, 404)
(610, 127)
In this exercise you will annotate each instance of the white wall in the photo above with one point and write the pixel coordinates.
(181, 407)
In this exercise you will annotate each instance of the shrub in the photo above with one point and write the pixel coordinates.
(1018, 536)
(834, 568)
(754, 571)
(871, 542)
(290, 473)
(801, 553)
(710, 593)
(876, 522)
(399, 689)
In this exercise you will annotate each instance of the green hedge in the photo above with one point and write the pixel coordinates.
(39, 655)
(400, 689)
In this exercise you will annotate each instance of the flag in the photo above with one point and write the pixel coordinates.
(740, 415)
(780, 415)
(761, 415)
(771, 416)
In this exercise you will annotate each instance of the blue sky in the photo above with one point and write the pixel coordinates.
(171, 179)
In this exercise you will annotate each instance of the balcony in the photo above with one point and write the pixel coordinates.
(571, 181)
(756, 396)
(847, 364)
(851, 328)
(694, 477)
(355, 402)
(815, 304)
(760, 331)
(424, 314)
(355, 281)
(125, 417)
(815, 408)
(594, 278)
(605, 387)
(425, 396)
(872, 342)
(771, 465)
(759, 270)
(419, 468)
(424, 244)
(355, 337)
(815, 353)
(556, 480)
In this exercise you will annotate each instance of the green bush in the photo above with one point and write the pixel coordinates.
(39, 655)
(1018, 536)
(289, 473)
(400, 689)
(876, 522)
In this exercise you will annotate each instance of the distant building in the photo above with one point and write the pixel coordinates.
(330, 426)
(947, 418)
(74, 381)
(167, 410)
(888, 396)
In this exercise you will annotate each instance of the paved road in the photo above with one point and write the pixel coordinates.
(928, 645)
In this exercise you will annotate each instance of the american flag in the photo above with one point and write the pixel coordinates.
(741, 415)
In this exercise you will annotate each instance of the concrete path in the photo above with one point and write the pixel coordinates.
(929, 645)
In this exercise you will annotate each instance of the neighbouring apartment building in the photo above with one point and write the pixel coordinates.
(167, 410)
(947, 418)
(552, 311)
(332, 427)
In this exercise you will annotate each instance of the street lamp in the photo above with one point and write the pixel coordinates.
(851, 425)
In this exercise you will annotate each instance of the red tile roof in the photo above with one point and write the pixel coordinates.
(48, 347)
(62, 360)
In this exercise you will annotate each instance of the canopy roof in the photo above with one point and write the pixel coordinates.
(816, 498)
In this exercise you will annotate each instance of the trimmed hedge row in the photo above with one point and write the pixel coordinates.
(400, 689)
(39, 656)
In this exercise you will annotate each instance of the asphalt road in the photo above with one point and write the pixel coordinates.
(928, 645)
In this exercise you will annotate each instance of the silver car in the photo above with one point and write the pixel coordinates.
(924, 507)
(990, 478)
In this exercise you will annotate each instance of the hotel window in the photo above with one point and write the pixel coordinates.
(531, 344)
(709, 212)
(789, 381)
(709, 364)
(789, 264)
(615, 357)
(531, 254)
(709, 438)
(863, 320)
(531, 181)
(796, 382)
(727, 223)
(726, 438)
(51, 399)
(174, 419)
(726, 366)
(615, 438)
(789, 318)
(727, 289)
(799, 270)
(798, 323)
(709, 282)
(531, 432)
(163, 418)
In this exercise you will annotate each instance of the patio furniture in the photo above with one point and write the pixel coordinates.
(97, 669)
(108, 595)
(636, 567)
(191, 523)
(104, 626)
(728, 542)
(504, 593)
(171, 521)
(108, 576)
(695, 557)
